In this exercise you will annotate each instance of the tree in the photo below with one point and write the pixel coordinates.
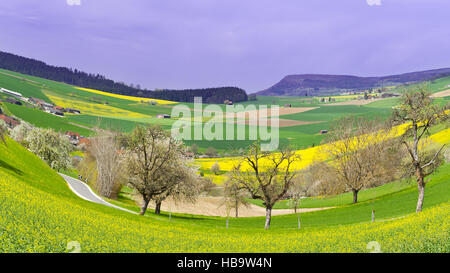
(265, 176)
(211, 151)
(20, 132)
(215, 168)
(51, 147)
(108, 162)
(234, 197)
(420, 113)
(150, 156)
(194, 148)
(182, 183)
(3, 130)
(300, 188)
(361, 155)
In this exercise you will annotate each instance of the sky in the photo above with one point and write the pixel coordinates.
(250, 44)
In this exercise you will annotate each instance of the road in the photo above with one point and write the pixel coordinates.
(83, 191)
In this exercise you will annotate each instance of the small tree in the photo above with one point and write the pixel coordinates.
(265, 176)
(211, 151)
(215, 168)
(108, 162)
(361, 155)
(3, 130)
(150, 154)
(51, 147)
(20, 132)
(194, 148)
(418, 111)
(234, 197)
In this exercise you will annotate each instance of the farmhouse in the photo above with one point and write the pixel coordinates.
(288, 105)
(73, 111)
(11, 122)
(12, 93)
(162, 116)
(40, 102)
(228, 102)
(55, 112)
(322, 132)
(59, 108)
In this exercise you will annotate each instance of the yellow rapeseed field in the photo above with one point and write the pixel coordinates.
(94, 109)
(125, 97)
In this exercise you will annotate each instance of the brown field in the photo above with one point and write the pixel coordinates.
(211, 206)
(353, 102)
(441, 94)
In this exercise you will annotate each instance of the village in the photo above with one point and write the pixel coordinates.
(17, 98)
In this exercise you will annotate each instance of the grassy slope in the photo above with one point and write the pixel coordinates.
(38, 213)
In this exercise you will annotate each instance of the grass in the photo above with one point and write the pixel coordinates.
(38, 213)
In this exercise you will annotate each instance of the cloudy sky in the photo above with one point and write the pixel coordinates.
(247, 43)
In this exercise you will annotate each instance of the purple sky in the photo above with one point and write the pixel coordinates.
(247, 43)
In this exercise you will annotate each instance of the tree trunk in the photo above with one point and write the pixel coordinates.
(158, 207)
(268, 217)
(421, 188)
(237, 211)
(355, 196)
(144, 207)
(299, 223)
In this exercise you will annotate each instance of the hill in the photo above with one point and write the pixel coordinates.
(75, 77)
(323, 85)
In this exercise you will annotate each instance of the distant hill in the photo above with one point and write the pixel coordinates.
(323, 85)
(96, 81)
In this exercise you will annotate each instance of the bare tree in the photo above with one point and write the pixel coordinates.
(182, 183)
(361, 155)
(420, 113)
(150, 154)
(234, 197)
(108, 161)
(265, 176)
(3, 130)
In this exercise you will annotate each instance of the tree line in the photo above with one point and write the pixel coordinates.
(96, 81)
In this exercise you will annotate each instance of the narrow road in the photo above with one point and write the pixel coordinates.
(83, 191)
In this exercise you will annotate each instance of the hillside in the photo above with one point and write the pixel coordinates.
(323, 85)
(40, 214)
(76, 77)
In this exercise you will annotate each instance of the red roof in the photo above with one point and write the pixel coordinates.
(69, 133)
(9, 120)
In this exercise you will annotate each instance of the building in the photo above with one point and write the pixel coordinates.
(13, 101)
(287, 105)
(323, 132)
(73, 111)
(40, 102)
(74, 138)
(55, 112)
(12, 93)
(11, 122)
(228, 102)
(163, 116)
(59, 108)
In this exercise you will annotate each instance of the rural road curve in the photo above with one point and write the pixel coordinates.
(83, 191)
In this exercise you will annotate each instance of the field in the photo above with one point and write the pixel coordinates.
(123, 113)
(43, 215)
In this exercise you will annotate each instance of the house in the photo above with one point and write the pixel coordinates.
(388, 95)
(12, 93)
(83, 140)
(73, 111)
(59, 108)
(73, 135)
(40, 102)
(287, 105)
(13, 101)
(55, 112)
(228, 102)
(162, 116)
(322, 132)
(11, 122)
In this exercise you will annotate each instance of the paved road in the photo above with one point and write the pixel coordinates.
(84, 191)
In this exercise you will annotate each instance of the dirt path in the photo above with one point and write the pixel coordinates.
(211, 206)
(352, 102)
(441, 94)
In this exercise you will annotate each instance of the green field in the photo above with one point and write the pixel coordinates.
(40, 214)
